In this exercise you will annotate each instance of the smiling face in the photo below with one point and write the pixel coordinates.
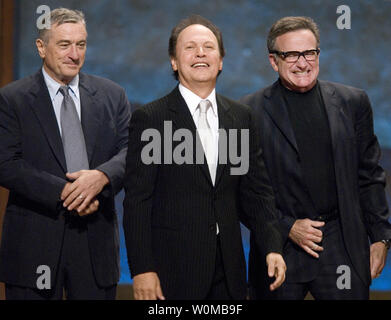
(198, 60)
(64, 53)
(301, 75)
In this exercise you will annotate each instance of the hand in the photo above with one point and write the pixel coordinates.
(276, 267)
(304, 233)
(86, 185)
(146, 286)
(91, 208)
(378, 256)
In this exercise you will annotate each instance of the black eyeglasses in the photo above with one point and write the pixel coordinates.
(293, 56)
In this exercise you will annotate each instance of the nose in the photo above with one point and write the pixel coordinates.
(301, 62)
(73, 53)
(200, 51)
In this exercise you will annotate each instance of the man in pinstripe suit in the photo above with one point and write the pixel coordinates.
(181, 221)
(322, 156)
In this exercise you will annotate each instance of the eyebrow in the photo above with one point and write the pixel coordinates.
(194, 42)
(60, 41)
(68, 41)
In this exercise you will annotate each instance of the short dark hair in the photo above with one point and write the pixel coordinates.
(183, 24)
(288, 24)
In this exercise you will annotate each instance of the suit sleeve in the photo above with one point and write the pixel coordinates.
(115, 167)
(371, 176)
(286, 222)
(16, 173)
(139, 188)
(257, 198)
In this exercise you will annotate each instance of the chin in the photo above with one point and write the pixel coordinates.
(71, 74)
(304, 85)
(201, 79)
(206, 77)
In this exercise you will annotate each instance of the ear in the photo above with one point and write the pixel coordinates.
(221, 64)
(174, 65)
(41, 48)
(273, 62)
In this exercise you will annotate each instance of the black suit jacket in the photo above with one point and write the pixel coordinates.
(171, 210)
(33, 167)
(360, 180)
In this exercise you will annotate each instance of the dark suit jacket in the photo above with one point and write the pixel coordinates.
(360, 180)
(33, 167)
(171, 210)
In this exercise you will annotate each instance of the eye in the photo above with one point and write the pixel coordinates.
(310, 53)
(63, 45)
(291, 54)
(209, 45)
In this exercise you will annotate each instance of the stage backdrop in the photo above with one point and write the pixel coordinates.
(128, 43)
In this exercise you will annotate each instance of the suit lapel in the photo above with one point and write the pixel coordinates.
(91, 114)
(182, 118)
(340, 125)
(43, 109)
(275, 106)
(332, 110)
(225, 123)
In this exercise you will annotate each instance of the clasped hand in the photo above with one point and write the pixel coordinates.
(80, 194)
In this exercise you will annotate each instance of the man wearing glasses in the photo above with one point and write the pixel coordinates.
(322, 158)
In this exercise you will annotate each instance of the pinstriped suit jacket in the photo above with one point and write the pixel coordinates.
(171, 210)
(360, 180)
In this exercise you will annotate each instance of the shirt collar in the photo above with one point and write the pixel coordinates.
(192, 100)
(54, 86)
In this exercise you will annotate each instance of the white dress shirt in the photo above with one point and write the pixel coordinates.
(192, 101)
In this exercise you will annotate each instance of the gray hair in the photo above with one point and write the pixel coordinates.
(289, 24)
(60, 16)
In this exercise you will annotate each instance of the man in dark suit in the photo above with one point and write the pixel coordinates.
(181, 218)
(63, 142)
(322, 156)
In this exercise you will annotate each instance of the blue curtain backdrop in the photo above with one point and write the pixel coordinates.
(128, 42)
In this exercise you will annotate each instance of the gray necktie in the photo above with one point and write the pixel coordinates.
(72, 134)
(207, 140)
